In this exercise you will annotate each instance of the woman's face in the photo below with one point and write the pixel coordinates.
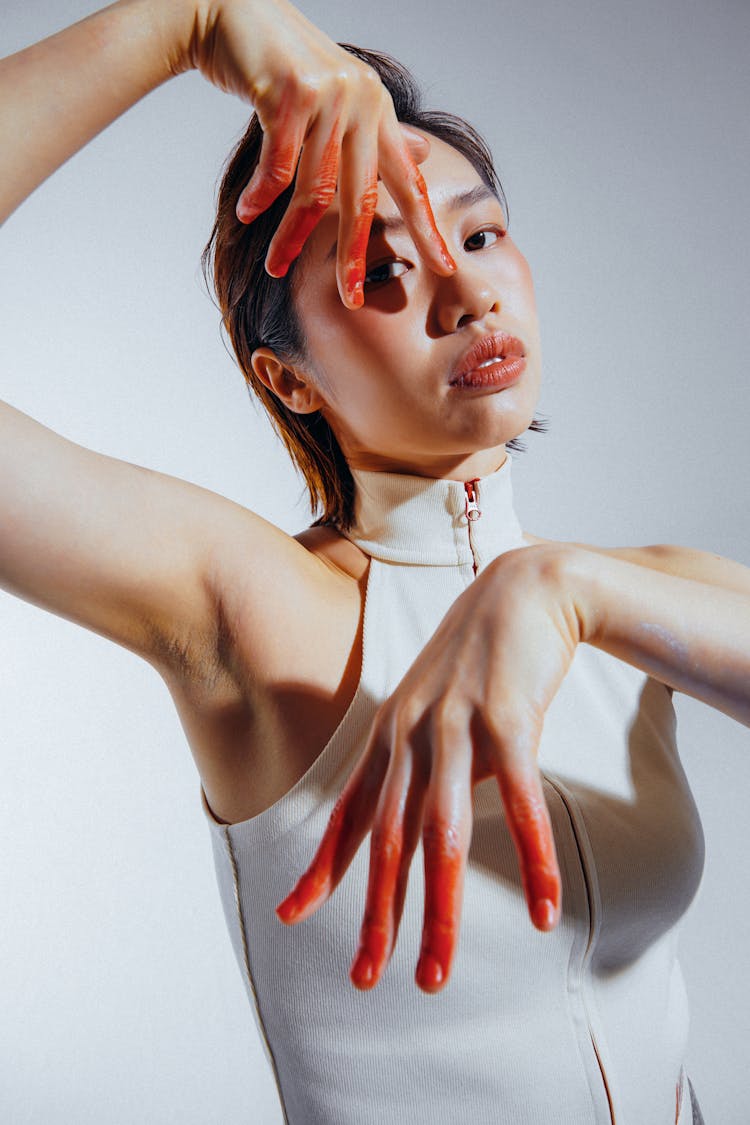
(387, 372)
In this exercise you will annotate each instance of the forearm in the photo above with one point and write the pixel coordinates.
(691, 635)
(58, 94)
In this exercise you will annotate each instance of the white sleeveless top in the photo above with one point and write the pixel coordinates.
(586, 1025)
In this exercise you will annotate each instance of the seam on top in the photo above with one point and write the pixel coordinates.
(248, 970)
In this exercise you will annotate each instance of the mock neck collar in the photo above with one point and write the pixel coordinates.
(423, 521)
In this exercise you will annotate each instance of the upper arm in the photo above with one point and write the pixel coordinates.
(122, 550)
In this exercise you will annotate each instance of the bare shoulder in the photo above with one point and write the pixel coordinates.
(335, 551)
(283, 603)
(284, 665)
(139, 556)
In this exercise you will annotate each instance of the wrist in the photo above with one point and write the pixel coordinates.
(566, 576)
(175, 26)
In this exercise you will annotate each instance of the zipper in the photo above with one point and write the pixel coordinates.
(473, 513)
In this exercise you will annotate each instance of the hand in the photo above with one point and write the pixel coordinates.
(470, 707)
(326, 116)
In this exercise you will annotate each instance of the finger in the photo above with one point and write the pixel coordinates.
(317, 174)
(282, 143)
(446, 837)
(407, 188)
(393, 843)
(531, 829)
(358, 198)
(419, 145)
(347, 826)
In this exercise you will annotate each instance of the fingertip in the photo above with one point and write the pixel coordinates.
(356, 296)
(352, 295)
(544, 915)
(289, 910)
(448, 260)
(430, 975)
(245, 210)
(419, 145)
(362, 973)
(276, 269)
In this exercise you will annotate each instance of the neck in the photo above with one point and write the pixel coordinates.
(461, 467)
(409, 518)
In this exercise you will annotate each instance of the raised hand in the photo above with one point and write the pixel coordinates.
(470, 707)
(326, 117)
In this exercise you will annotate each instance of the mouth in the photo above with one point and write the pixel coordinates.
(494, 361)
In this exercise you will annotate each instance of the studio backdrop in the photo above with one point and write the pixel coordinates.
(621, 135)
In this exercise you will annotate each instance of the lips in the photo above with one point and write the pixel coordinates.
(499, 347)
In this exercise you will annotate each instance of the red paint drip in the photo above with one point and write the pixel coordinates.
(529, 825)
(276, 168)
(357, 255)
(301, 219)
(444, 872)
(421, 189)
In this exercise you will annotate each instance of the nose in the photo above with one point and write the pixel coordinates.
(464, 297)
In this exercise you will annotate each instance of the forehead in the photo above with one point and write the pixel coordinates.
(445, 171)
(447, 175)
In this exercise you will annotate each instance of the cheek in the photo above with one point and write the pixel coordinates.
(364, 357)
(523, 282)
(517, 282)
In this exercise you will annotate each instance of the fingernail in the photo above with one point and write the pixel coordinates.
(356, 295)
(362, 971)
(543, 914)
(430, 973)
(288, 910)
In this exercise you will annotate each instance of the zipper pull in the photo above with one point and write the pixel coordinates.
(473, 511)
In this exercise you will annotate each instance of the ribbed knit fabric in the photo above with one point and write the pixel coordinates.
(583, 1026)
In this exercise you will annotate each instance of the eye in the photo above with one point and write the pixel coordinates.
(483, 239)
(385, 271)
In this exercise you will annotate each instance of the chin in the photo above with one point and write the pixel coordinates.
(501, 431)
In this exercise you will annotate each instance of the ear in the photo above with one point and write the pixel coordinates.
(290, 384)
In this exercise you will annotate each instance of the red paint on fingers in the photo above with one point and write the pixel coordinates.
(409, 191)
(302, 218)
(356, 258)
(444, 861)
(424, 199)
(376, 937)
(530, 827)
(277, 165)
(268, 181)
(330, 861)
(294, 237)
(348, 824)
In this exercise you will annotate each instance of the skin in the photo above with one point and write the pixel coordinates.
(384, 388)
(314, 100)
(181, 576)
(385, 391)
(483, 704)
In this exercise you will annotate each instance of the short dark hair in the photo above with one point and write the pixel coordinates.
(258, 310)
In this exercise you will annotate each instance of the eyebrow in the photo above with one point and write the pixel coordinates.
(461, 200)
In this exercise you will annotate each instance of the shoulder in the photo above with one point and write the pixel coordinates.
(278, 598)
(335, 551)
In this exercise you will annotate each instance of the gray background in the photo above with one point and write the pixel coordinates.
(621, 132)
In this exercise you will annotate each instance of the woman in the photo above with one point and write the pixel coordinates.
(190, 597)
